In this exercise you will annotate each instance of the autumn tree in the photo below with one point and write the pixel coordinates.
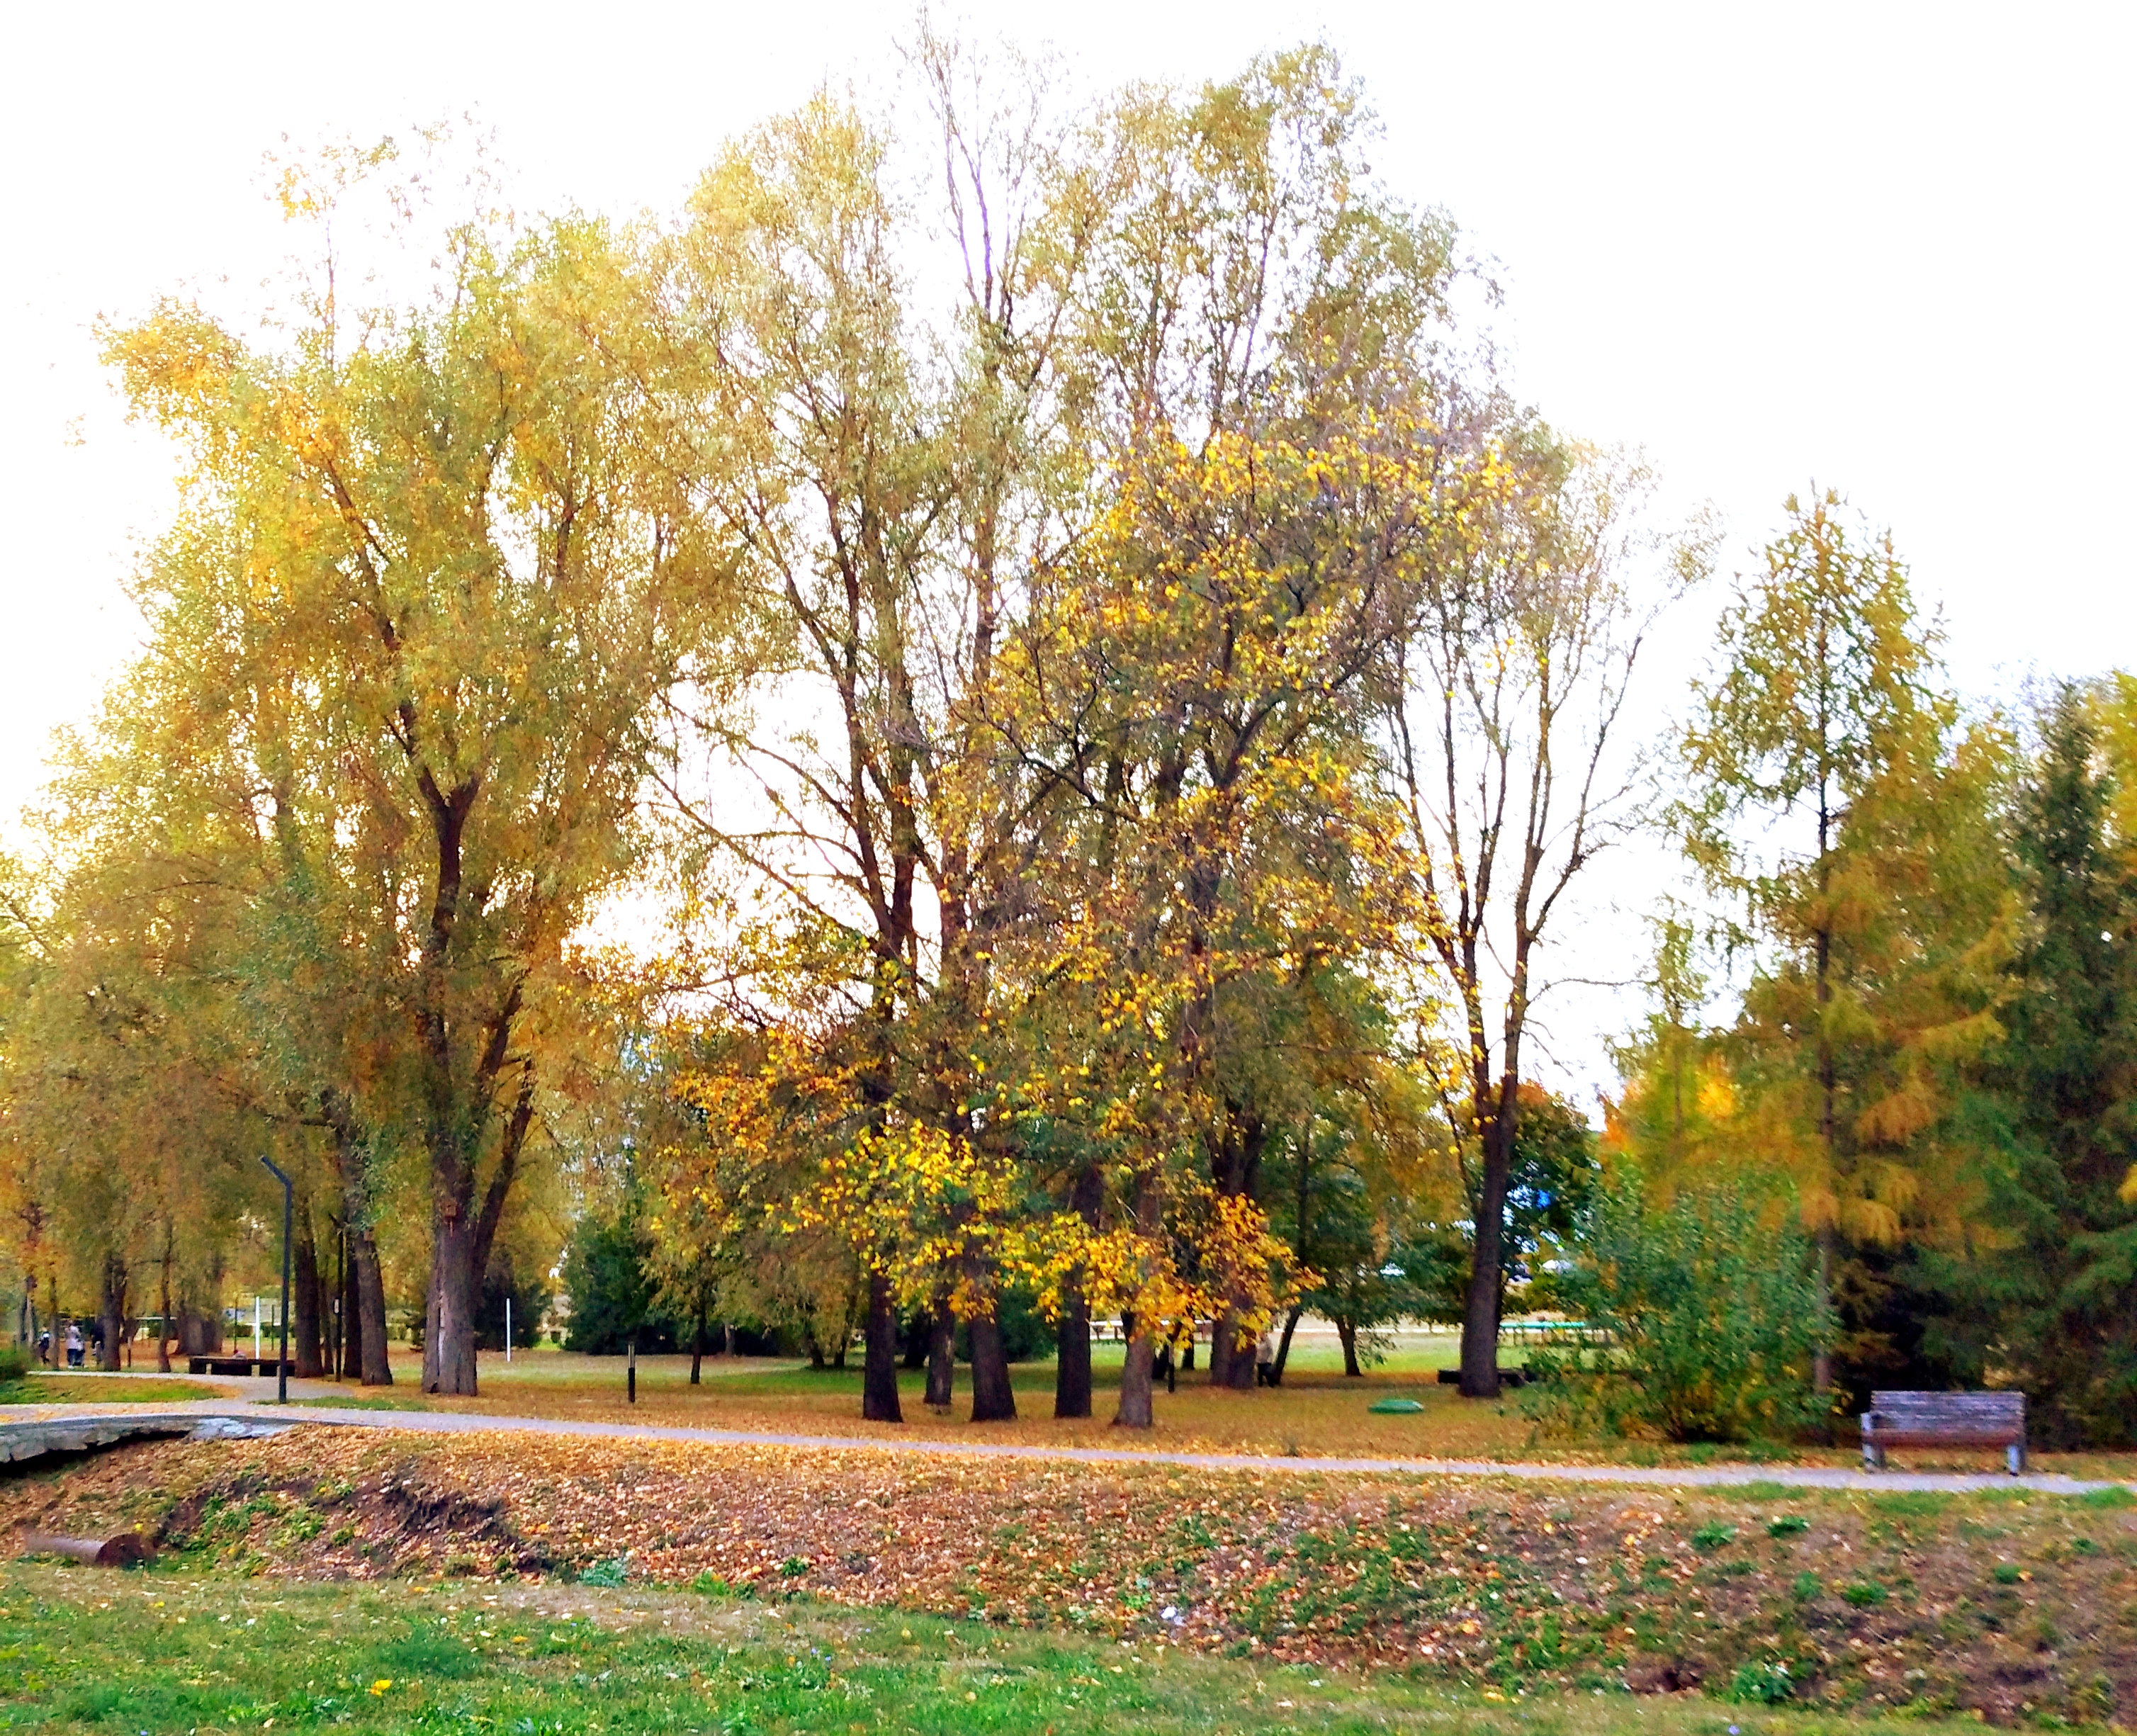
(1528, 610)
(1878, 913)
(464, 532)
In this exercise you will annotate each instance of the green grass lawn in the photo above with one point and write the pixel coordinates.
(158, 1650)
(104, 1389)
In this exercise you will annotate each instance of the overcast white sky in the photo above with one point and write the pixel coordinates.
(1886, 247)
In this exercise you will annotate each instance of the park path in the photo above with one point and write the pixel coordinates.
(247, 1419)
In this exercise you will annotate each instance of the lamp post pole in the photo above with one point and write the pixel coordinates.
(282, 1361)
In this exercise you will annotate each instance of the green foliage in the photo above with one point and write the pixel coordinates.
(1701, 1317)
(528, 1294)
(2053, 1298)
(606, 1573)
(1762, 1684)
(608, 1276)
(1711, 1537)
(14, 1362)
(1788, 1525)
(1864, 1593)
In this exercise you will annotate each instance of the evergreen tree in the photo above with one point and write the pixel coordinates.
(2052, 1307)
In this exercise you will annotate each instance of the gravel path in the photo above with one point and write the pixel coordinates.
(243, 1418)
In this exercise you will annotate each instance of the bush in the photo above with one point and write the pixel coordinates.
(14, 1362)
(1762, 1685)
(1700, 1321)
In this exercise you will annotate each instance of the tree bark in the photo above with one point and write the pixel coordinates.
(112, 1313)
(1480, 1316)
(993, 1399)
(163, 1299)
(1346, 1334)
(377, 1370)
(1283, 1345)
(942, 1356)
(304, 1297)
(449, 1325)
(697, 1347)
(1135, 1408)
(1072, 1339)
(879, 1361)
(366, 1309)
(1238, 1176)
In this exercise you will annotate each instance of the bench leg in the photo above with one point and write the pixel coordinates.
(2014, 1455)
(1873, 1456)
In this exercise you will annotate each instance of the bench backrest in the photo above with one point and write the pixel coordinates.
(1951, 1410)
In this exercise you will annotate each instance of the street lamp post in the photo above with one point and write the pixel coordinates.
(282, 1361)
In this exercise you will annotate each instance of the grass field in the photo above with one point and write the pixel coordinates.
(1418, 1601)
(70, 1388)
(159, 1651)
(1316, 1413)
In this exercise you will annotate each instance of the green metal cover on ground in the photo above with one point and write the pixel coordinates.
(1397, 1407)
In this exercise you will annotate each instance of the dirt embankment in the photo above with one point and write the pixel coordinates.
(2011, 1607)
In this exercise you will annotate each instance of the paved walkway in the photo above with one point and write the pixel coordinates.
(247, 1417)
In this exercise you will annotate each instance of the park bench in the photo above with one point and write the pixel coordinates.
(1946, 1419)
(234, 1365)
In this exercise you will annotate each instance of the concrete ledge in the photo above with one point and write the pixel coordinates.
(34, 1437)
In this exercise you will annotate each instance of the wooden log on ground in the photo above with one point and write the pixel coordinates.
(121, 1550)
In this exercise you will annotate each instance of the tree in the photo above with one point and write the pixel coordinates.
(1504, 694)
(1879, 944)
(466, 536)
(2050, 1306)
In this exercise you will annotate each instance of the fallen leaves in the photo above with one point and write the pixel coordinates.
(1480, 1584)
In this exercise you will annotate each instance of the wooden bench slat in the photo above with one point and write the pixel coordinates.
(1946, 1419)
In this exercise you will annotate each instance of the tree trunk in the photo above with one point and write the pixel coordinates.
(1187, 1354)
(1480, 1316)
(163, 1300)
(993, 1399)
(364, 1311)
(1072, 1353)
(304, 1296)
(1283, 1345)
(112, 1315)
(1134, 1409)
(697, 1347)
(879, 1360)
(368, 1327)
(1821, 1358)
(1237, 1175)
(941, 1357)
(448, 1312)
(1346, 1334)
(1072, 1340)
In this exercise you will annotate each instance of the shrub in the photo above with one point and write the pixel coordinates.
(1762, 1685)
(1700, 1318)
(14, 1362)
